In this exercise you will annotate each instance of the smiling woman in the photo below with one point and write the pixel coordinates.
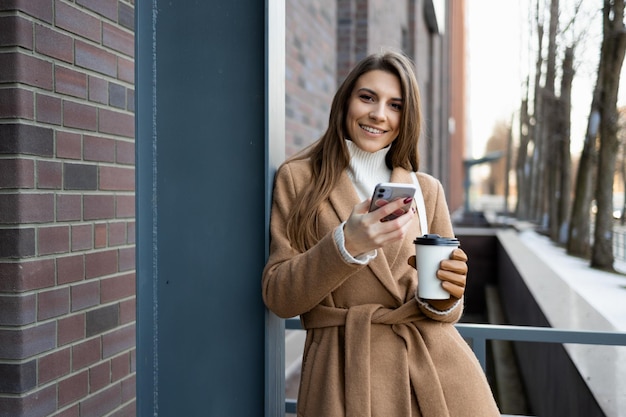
(373, 346)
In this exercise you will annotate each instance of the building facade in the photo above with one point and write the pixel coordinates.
(67, 172)
(325, 38)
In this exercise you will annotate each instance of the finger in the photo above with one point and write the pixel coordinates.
(443, 305)
(459, 255)
(363, 206)
(454, 290)
(411, 261)
(451, 277)
(459, 267)
(387, 208)
(381, 202)
(396, 228)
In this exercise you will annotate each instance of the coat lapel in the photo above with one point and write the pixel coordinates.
(344, 197)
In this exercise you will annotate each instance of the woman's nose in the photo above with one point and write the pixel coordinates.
(377, 113)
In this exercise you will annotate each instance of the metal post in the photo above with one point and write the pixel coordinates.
(202, 109)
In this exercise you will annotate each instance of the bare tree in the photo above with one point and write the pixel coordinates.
(611, 59)
(522, 165)
(549, 133)
(578, 242)
(509, 161)
(536, 169)
(498, 143)
(545, 176)
(563, 129)
(556, 113)
(546, 130)
(621, 160)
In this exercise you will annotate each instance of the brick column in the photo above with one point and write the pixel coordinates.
(67, 226)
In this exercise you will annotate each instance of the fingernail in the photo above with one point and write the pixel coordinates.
(408, 200)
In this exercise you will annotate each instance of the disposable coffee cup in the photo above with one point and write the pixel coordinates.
(430, 250)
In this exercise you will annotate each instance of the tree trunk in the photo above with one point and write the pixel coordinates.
(507, 167)
(565, 180)
(522, 168)
(536, 170)
(622, 217)
(553, 164)
(578, 243)
(551, 160)
(612, 55)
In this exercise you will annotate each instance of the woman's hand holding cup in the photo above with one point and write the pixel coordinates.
(452, 273)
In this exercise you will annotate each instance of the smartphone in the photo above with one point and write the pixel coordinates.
(390, 192)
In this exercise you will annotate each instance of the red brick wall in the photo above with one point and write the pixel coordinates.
(67, 227)
(386, 24)
(310, 83)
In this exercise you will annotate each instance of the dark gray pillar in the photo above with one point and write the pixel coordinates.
(205, 156)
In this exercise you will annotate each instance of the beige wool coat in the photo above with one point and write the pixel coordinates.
(371, 349)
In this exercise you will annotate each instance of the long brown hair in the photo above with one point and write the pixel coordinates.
(329, 156)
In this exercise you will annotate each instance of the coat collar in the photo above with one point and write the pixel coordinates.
(344, 197)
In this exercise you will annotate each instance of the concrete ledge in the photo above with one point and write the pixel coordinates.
(563, 292)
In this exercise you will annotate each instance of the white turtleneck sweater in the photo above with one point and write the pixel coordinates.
(366, 169)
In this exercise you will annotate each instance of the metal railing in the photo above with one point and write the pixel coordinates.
(480, 333)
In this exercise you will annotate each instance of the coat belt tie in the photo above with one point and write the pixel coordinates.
(357, 321)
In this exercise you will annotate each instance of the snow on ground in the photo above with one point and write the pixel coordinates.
(605, 291)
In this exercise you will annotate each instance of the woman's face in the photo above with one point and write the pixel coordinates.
(374, 110)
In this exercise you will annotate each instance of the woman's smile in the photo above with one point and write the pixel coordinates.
(372, 130)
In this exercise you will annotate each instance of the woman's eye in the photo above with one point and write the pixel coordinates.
(396, 106)
(366, 97)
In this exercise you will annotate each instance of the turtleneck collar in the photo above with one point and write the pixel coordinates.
(367, 169)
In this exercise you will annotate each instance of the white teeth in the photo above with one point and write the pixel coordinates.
(372, 130)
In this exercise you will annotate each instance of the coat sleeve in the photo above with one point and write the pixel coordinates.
(441, 224)
(294, 282)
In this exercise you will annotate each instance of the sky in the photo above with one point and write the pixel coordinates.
(494, 68)
(498, 62)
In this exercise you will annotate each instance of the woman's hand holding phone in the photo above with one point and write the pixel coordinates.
(366, 230)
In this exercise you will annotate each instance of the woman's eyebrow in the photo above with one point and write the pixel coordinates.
(372, 92)
(368, 90)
